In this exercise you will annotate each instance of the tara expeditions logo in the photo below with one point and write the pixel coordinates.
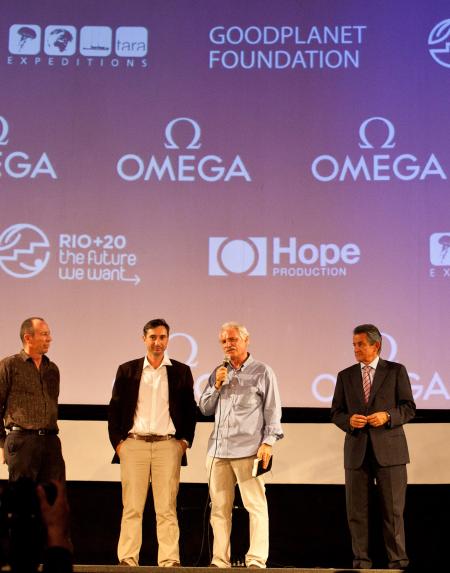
(24, 250)
(276, 257)
(191, 164)
(375, 165)
(67, 46)
(440, 255)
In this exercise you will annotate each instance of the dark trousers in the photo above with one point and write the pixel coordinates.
(35, 457)
(391, 484)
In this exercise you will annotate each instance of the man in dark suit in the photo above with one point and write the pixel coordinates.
(151, 423)
(372, 401)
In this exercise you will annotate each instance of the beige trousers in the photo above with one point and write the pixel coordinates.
(142, 463)
(223, 474)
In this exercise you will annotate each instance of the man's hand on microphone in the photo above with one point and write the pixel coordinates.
(264, 453)
(221, 374)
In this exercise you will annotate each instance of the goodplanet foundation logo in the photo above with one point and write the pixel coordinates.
(277, 257)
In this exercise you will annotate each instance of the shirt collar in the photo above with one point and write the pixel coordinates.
(165, 362)
(372, 364)
(24, 356)
(246, 362)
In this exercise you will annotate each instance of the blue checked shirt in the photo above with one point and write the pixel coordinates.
(247, 410)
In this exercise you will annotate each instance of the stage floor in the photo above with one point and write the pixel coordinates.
(144, 569)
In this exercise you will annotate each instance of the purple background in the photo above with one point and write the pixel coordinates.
(278, 121)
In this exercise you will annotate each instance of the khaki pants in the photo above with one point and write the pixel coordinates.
(223, 474)
(142, 463)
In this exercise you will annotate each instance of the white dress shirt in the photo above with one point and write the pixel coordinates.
(373, 366)
(152, 410)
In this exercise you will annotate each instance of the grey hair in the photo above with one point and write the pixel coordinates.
(243, 332)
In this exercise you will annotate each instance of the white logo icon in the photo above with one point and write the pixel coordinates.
(4, 130)
(237, 256)
(181, 133)
(24, 39)
(365, 143)
(60, 40)
(376, 132)
(131, 41)
(170, 140)
(439, 43)
(24, 250)
(440, 249)
(95, 41)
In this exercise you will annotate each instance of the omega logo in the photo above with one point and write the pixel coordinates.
(181, 167)
(18, 164)
(170, 142)
(376, 166)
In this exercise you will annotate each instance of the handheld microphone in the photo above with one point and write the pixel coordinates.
(224, 364)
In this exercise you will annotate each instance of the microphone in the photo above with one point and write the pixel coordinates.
(224, 364)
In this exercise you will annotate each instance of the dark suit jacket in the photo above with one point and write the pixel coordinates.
(391, 392)
(182, 406)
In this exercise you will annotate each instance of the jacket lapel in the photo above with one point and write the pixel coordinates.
(356, 378)
(171, 382)
(136, 374)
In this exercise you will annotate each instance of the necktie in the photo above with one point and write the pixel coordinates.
(366, 382)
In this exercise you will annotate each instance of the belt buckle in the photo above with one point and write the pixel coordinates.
(41, 432)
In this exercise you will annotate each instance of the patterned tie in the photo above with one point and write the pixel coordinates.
(366, 382)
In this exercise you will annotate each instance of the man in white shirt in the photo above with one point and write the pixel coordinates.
(151, 423)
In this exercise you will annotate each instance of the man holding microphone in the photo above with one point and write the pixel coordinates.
(243, 395)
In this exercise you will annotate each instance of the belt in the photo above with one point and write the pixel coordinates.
(42, 432)
(150, 437)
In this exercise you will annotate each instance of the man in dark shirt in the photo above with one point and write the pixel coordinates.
(29, 389)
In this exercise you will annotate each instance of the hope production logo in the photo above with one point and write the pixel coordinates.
(24, 250)
(439, 43)
(440, 249)
(237, 256)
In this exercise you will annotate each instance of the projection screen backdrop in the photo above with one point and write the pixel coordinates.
(282, 164)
